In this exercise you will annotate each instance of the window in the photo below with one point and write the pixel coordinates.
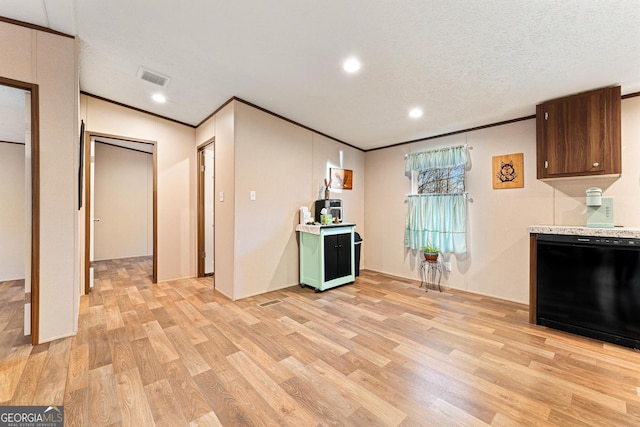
(436, 210)
(440, 180)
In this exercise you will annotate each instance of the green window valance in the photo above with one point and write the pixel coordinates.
(441, 158)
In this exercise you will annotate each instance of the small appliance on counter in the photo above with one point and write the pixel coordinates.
(333, 207)
(599, 209)
(305, 216)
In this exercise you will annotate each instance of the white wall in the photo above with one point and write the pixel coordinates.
(285, 165)
(12, 212)
(50, 61)
(177, 178)
(123, 202)
(497, 261)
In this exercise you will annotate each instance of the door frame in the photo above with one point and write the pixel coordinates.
(88, 135)
(34, 297)
(200, 239)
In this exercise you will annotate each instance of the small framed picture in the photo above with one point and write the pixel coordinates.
(508, 171)
(341, 178)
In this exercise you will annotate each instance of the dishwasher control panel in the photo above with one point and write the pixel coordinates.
(588, 240)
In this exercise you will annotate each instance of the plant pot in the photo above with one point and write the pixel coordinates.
(431, 256)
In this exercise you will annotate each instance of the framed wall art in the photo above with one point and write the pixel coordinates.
(341, 179)
(508, 171)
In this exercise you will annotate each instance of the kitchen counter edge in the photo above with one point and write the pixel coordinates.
(315, 229)
(573, 230)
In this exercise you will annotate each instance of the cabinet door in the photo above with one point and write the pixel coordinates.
(579, 135)
(573, 131)
(331, 257)
(344, 255)
(337, 256)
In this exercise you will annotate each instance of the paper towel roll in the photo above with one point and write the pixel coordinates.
(305, 215)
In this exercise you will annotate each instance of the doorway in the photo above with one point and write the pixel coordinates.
(121, 201)
(206, 209)
(19, 104)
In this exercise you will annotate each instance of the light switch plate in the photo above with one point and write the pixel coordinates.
(252, 195)
(222, 196)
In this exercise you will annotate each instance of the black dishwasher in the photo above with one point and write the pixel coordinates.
(589, 286)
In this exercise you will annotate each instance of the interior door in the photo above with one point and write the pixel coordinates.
(206, 210)
(92, 168)
(133, 196)
(16, 202)
(27, 211)
(209, 225)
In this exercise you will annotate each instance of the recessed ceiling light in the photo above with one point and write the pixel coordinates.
(351, 65)
(415, 113)
(159, 98)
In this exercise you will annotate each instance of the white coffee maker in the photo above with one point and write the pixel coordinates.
(599, 209)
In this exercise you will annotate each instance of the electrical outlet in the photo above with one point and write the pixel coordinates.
(447, 266)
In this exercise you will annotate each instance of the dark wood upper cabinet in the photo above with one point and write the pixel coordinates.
(579, 135)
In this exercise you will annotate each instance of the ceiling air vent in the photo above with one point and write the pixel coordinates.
(153, 77)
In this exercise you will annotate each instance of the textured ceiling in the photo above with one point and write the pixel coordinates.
(465, 63)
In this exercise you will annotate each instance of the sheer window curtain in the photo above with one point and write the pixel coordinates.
(439, 218)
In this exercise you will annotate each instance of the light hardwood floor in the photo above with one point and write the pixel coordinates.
(380, 352)
(11, 318)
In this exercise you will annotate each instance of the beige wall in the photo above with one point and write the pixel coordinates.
(569, 196)
(123, 202)
(327, 154)
(285, 164)
(50, 61)
(177, 179)
(497, 261)
(256, 248)
(222, 127)
(12, 212)
(274, 159)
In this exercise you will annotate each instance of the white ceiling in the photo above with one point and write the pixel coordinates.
(465, 63)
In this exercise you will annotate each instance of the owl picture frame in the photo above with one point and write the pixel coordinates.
(508, 171)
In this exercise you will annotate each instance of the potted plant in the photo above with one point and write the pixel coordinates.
(430, 252)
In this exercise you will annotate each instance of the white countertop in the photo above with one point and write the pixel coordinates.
(315, 229)
(620, 232)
